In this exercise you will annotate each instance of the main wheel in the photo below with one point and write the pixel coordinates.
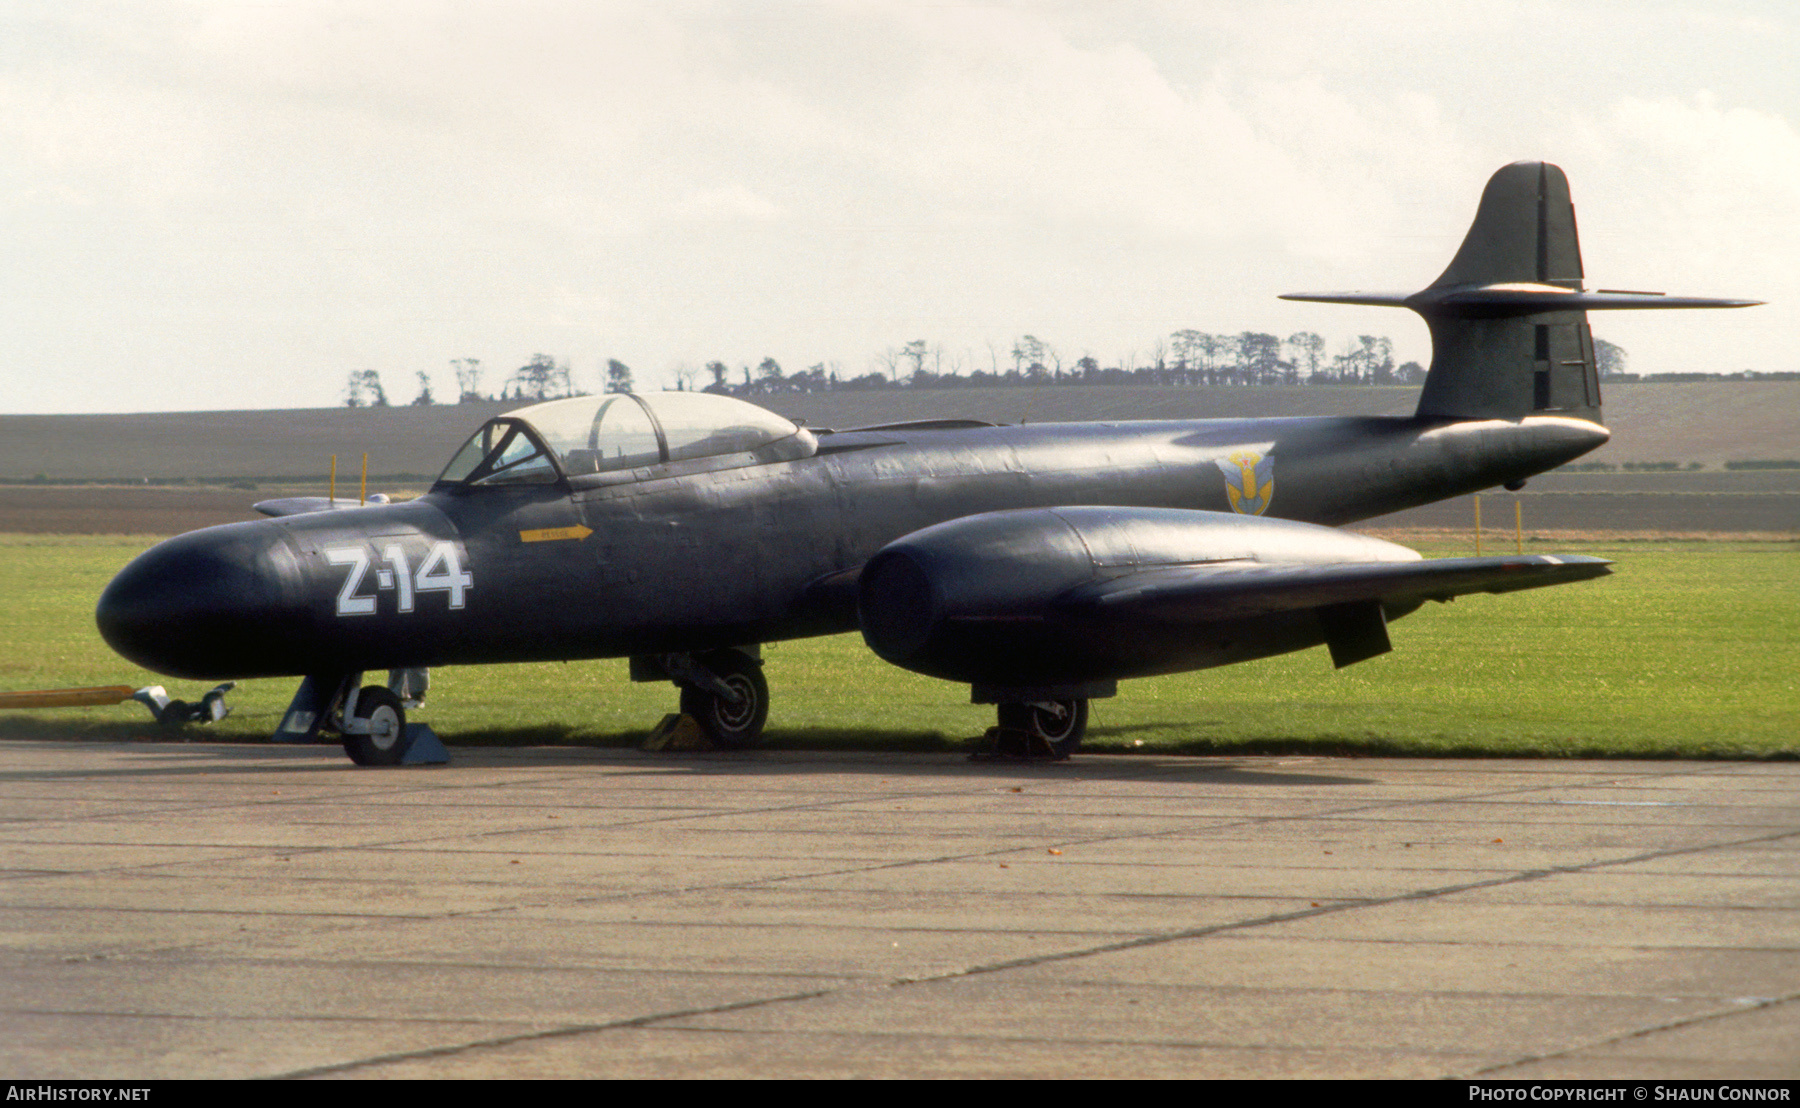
(728, 725)
(1054, 727)
(385, 716)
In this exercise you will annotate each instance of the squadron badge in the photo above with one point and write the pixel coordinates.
(1249, 480)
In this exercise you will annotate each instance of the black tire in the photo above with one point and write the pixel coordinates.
(1056, 731)
(730, 726)
(386, 717)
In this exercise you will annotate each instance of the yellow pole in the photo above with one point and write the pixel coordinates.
(1519, 526)
(334, 478)
(1478, 526)
(362, 494)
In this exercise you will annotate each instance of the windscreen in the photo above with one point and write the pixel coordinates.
(501, 453)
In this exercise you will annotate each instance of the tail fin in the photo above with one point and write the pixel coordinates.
(1509, 366)
(1508, 318)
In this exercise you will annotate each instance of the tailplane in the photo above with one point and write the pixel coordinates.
(1508, 318)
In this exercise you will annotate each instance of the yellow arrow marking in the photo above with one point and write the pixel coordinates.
(556, 534)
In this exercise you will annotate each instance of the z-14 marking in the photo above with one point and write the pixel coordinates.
(441, 571)
(1039, 565)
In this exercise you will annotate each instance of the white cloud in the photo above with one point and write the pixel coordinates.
(264, 196)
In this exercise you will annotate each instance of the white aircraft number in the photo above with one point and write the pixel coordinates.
(441, 571)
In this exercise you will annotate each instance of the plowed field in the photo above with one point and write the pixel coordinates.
(1755, 503)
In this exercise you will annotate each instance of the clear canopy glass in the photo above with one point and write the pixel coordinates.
(599, 434)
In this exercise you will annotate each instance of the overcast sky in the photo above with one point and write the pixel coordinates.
(233, 205)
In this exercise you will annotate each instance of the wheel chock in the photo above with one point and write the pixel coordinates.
(423, 747)
(678, 731)
(1010, 744)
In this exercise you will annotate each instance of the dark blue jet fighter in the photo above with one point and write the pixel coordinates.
(1038, 564)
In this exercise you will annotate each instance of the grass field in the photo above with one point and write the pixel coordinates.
(1692, 649)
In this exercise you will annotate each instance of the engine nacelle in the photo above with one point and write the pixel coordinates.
(976, 599)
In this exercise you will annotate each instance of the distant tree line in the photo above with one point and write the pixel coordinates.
(1745, 375)
(541, 378)
(1248, 359)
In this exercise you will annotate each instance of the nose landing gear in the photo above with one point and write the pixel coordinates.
(375, 730)
(371, 720)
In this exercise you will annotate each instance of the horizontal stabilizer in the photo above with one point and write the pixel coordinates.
(1207, 593)
(1524, 298)
(1372, 299)
(1502, 301)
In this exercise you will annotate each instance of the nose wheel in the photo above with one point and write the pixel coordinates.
(376, 731)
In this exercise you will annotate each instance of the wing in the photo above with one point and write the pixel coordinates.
(1353, 600)
(1218, 592)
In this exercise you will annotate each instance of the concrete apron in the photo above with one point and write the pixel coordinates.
(202, 910)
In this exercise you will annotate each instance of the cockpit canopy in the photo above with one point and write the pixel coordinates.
(587, 435)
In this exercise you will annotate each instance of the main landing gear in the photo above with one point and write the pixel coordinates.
(1041, 729)
(723, 691)
(732, 716)
(1038, 722)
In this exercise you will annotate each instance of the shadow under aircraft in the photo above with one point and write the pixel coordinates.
(1039, 565)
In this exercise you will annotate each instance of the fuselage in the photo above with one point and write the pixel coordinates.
(688, 557)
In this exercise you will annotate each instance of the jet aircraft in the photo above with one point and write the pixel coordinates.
(1038, 564)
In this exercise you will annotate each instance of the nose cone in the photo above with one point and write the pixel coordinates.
(220, 603)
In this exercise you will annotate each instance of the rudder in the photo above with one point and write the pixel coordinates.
(1524, 231)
